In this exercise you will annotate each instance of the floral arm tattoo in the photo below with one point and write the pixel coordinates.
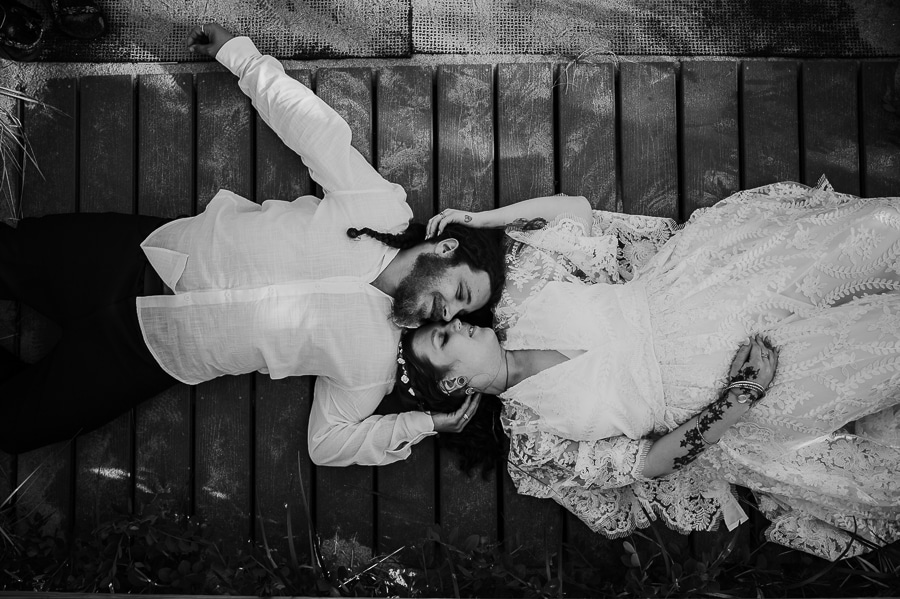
(693, 438)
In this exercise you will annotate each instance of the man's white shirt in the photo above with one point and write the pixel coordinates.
(279, 288)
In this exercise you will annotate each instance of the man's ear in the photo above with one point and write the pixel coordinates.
(446, 247)
(450, 385)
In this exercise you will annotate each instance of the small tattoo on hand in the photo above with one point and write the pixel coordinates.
(748, 372)
(468, 218)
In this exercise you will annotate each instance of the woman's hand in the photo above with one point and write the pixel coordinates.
(455, 422)
(446, 217)
(207, 39)
(755, 361)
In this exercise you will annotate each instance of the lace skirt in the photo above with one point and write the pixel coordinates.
(817, 273)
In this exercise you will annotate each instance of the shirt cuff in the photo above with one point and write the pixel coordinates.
(236, 53)
(420, 425)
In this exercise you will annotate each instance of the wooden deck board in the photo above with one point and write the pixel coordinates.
(466, 175)
(223, 411)
(660, 138)
(345, 500)
(586, 146)
(709, 140)
(165, 187)
(282, 406)
(49, 491)
(404, 127)
(104, 457)
(831, 124)
(771, 124)
(880, 92)
(649, 151)
(526, 155)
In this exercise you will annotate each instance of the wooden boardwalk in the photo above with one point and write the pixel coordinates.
(659, 138)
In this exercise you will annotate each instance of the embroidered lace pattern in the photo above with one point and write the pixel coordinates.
(818, 273)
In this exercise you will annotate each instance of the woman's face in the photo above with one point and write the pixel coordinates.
(466, 354)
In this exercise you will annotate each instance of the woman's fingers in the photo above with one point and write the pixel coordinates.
(437, 222)
(432, 226)
(739, 359)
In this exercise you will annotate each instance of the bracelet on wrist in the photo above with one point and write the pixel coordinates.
(749, 392)
(699, 432)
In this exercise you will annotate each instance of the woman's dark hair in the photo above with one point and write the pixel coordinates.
(479, 249)
(482, 443)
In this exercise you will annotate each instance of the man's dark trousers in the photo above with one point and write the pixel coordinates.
(83, 271)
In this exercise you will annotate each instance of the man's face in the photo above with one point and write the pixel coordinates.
(435, 291)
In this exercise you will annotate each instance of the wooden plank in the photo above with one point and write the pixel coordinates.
(345, 504)
(282, 407)
(405, 134)
(586, 96)
(406, 489)
(223, 416)
(525, 131)
(769, 123)
(831, 124)
(54, 142)
(465, 107)
(881, 128)
(710, 156)
(649, 138)
(526, 163)
(103, 458)
(282, 420)
(165, 188)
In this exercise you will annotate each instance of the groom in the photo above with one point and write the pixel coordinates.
(309, 287)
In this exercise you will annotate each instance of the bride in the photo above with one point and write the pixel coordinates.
(759, 346)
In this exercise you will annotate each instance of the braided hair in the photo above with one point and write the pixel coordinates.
(479, 249)
(412, 236)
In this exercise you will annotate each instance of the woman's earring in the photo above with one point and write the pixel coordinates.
(470, 391)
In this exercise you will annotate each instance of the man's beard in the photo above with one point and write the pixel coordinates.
(421, 282)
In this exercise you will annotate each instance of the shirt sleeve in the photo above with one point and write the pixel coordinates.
(343, 431)
(305, 123)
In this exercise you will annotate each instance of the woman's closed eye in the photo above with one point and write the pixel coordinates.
(438, 338)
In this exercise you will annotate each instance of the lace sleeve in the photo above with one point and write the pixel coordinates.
(550, 462)
(610, 251)
(638, 238)
(600, 481)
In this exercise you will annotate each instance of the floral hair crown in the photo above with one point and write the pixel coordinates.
(405, 381)
(404, 374)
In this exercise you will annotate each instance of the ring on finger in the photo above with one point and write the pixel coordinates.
(465, 416)
(765, 354)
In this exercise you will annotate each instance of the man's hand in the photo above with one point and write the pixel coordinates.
(455, 422)
(207, 39)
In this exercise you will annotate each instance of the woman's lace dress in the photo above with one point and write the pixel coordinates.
(816, 272)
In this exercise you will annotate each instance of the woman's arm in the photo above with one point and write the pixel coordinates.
(547, 208)
(682, 446)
